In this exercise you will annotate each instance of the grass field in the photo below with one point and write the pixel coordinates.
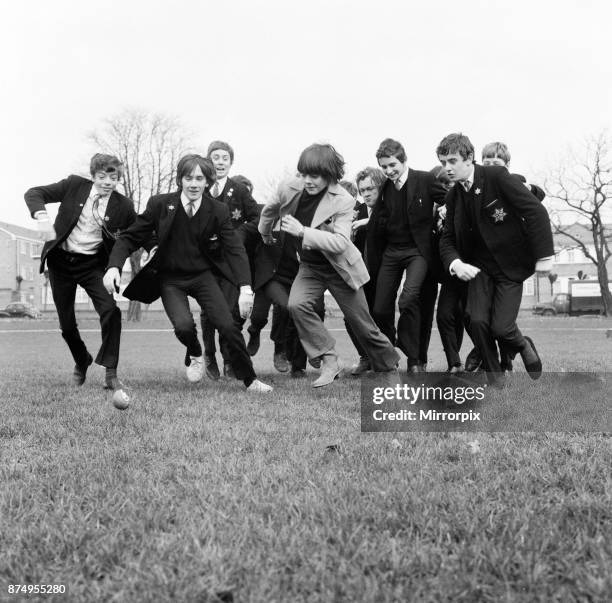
(202, 493)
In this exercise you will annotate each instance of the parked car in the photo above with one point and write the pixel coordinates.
(20, 309)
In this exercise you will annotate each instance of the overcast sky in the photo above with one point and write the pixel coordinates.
(271, 77)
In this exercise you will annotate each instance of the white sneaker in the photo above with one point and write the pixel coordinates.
(259, 387)
(195, 370)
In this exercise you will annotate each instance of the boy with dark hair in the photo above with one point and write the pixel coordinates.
(318, 212)
(497, 153)
(197, 246)
(400, 241)
(496, 234)
(244, 215)
(91, 215)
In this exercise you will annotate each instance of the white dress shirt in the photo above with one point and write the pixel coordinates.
(401, 180)
(185, 201)
(86, 236)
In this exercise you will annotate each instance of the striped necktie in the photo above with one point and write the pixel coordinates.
(215, 190)
(190, 209)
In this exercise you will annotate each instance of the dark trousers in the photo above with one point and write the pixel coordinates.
(278, 294)
(493, 303)
(230, 293)
(395, 261)
(283, 332)
(429, 293)
(449, 317)
(205, 289)
(308, 287)
(66, 271)
(259, 319)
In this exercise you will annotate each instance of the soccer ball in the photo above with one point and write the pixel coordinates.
(121, 400)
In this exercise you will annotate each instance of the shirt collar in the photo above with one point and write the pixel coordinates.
(470, 177)
(402, 179)
(221, 182)
(102, 198)
(185, 200)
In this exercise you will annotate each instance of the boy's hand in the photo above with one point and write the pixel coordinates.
(292, 226)
(359, 223)
(45, 227)
(245, 301)
(463, 271)
(111, 280)
(268, 239)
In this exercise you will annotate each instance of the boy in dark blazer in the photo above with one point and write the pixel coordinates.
(244, 216)
(496, 234)
(197, 246)
(497, 153)
(400, 241)
(91, 215)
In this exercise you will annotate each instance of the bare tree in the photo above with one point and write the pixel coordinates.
(149, 146)
(582, 189)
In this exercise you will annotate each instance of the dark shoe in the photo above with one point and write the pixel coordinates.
(113, 383)
(281, 364)
(531, 359)
(330, 369)
(254, 343)
(315, 362)
(298, 373)
(228, 370)
(456, 369)
(363, 366)
(211, 369)
(413, 369)
(473, 361)
(80, 371)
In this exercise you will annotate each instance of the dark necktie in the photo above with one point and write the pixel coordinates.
(190, 209)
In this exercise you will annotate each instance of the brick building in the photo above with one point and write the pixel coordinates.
(570, 261)
(19, 261)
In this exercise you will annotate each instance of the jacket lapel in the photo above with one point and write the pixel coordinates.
(290, 205)
(204, 211)
(411, 187)
(113, 204)
(167, 217)
(479, 188)
(327, 206)
(81, 199)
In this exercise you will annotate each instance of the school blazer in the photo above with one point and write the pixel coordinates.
(330, 231)
(72, 193)
(243, 209)
(218, 241)
(513, 224)
(423, 193)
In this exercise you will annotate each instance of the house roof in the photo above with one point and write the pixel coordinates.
(581, 231)
(20, 231)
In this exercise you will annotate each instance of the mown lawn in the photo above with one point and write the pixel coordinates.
(199, 491)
